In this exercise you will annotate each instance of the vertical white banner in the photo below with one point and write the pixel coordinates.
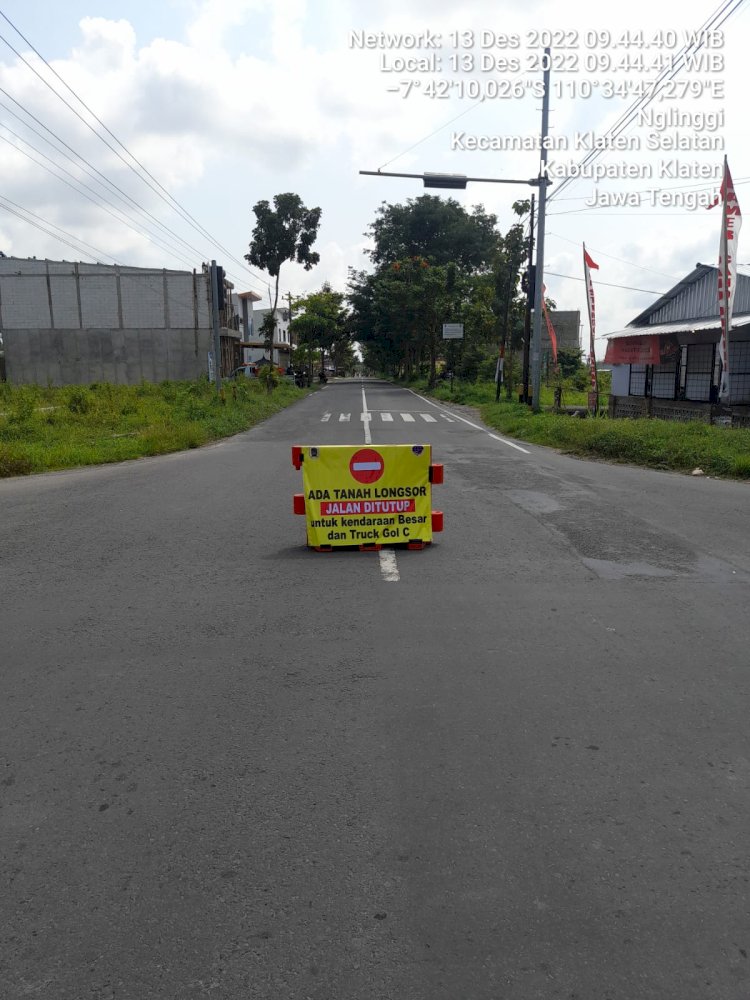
(588, 263)
(731, 223)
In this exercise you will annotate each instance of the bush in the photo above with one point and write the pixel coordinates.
(24, 405)
(12, 465)
(79, 401)
(268, 376)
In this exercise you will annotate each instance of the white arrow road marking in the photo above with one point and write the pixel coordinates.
(344, 417)
(325, 417)
(428, 418)
(389, 566)
(386, 417)
(407, 417)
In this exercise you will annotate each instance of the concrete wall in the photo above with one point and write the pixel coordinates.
(67, 323)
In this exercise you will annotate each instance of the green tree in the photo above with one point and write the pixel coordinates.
(438, 229)
(324, 325)
(285, 232)
(508, 306)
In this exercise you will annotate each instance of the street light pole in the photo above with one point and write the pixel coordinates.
(459, 182)
(536, 339)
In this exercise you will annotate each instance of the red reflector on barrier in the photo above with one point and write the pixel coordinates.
(299, 503)
(436, 473)
(297, 457)
(437, 520)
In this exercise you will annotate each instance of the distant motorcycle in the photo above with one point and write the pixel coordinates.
(323, 377)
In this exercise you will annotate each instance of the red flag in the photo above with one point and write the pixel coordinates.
(731, 222)
(587, 259)
(550, 327)
(587, 264)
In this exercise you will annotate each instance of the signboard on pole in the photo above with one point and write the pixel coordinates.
(376, 495)
(453, 331)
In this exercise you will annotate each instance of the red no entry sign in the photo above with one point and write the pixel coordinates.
(366, 465)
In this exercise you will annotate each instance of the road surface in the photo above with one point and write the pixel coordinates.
(513, 765)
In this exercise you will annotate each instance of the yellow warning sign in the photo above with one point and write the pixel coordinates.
(367, 496)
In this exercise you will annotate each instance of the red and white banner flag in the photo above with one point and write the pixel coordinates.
(550, 327)
(731, 222)
(587, 265)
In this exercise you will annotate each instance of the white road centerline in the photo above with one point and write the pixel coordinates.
(387, 557)
(389, 566)
(366, 418)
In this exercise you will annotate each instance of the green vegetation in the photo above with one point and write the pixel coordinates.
(656, 444)
(46, 429)
(322, 329)
(283, 233)
(437, 263)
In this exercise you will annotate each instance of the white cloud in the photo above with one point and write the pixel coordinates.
(246, 98)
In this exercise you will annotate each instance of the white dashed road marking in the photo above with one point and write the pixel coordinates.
(389, 566)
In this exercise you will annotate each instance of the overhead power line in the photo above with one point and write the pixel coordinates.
(148, 179)
(609, 284)
(601, 253)
(715, 21)
(145, 176)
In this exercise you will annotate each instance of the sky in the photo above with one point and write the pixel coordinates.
(228, 102)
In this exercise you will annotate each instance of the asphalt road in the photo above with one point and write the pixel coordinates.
(514, 765)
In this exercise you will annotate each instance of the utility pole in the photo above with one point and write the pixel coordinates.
(536, 340)
(288, 297)
(215, 324)
(506, 338)
(529, 305)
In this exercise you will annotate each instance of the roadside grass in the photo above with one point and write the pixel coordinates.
(656, 444)
(43, 429)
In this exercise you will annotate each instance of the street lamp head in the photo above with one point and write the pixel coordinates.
(455, 181)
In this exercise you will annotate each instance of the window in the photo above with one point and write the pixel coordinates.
(654, 380)
(663, 380)
(739, 371)
(699, 372)
(637, 380)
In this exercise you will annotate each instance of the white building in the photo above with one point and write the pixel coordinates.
(251, 322)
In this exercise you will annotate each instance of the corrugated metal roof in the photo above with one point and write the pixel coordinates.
(660, 329)
(694, 297)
